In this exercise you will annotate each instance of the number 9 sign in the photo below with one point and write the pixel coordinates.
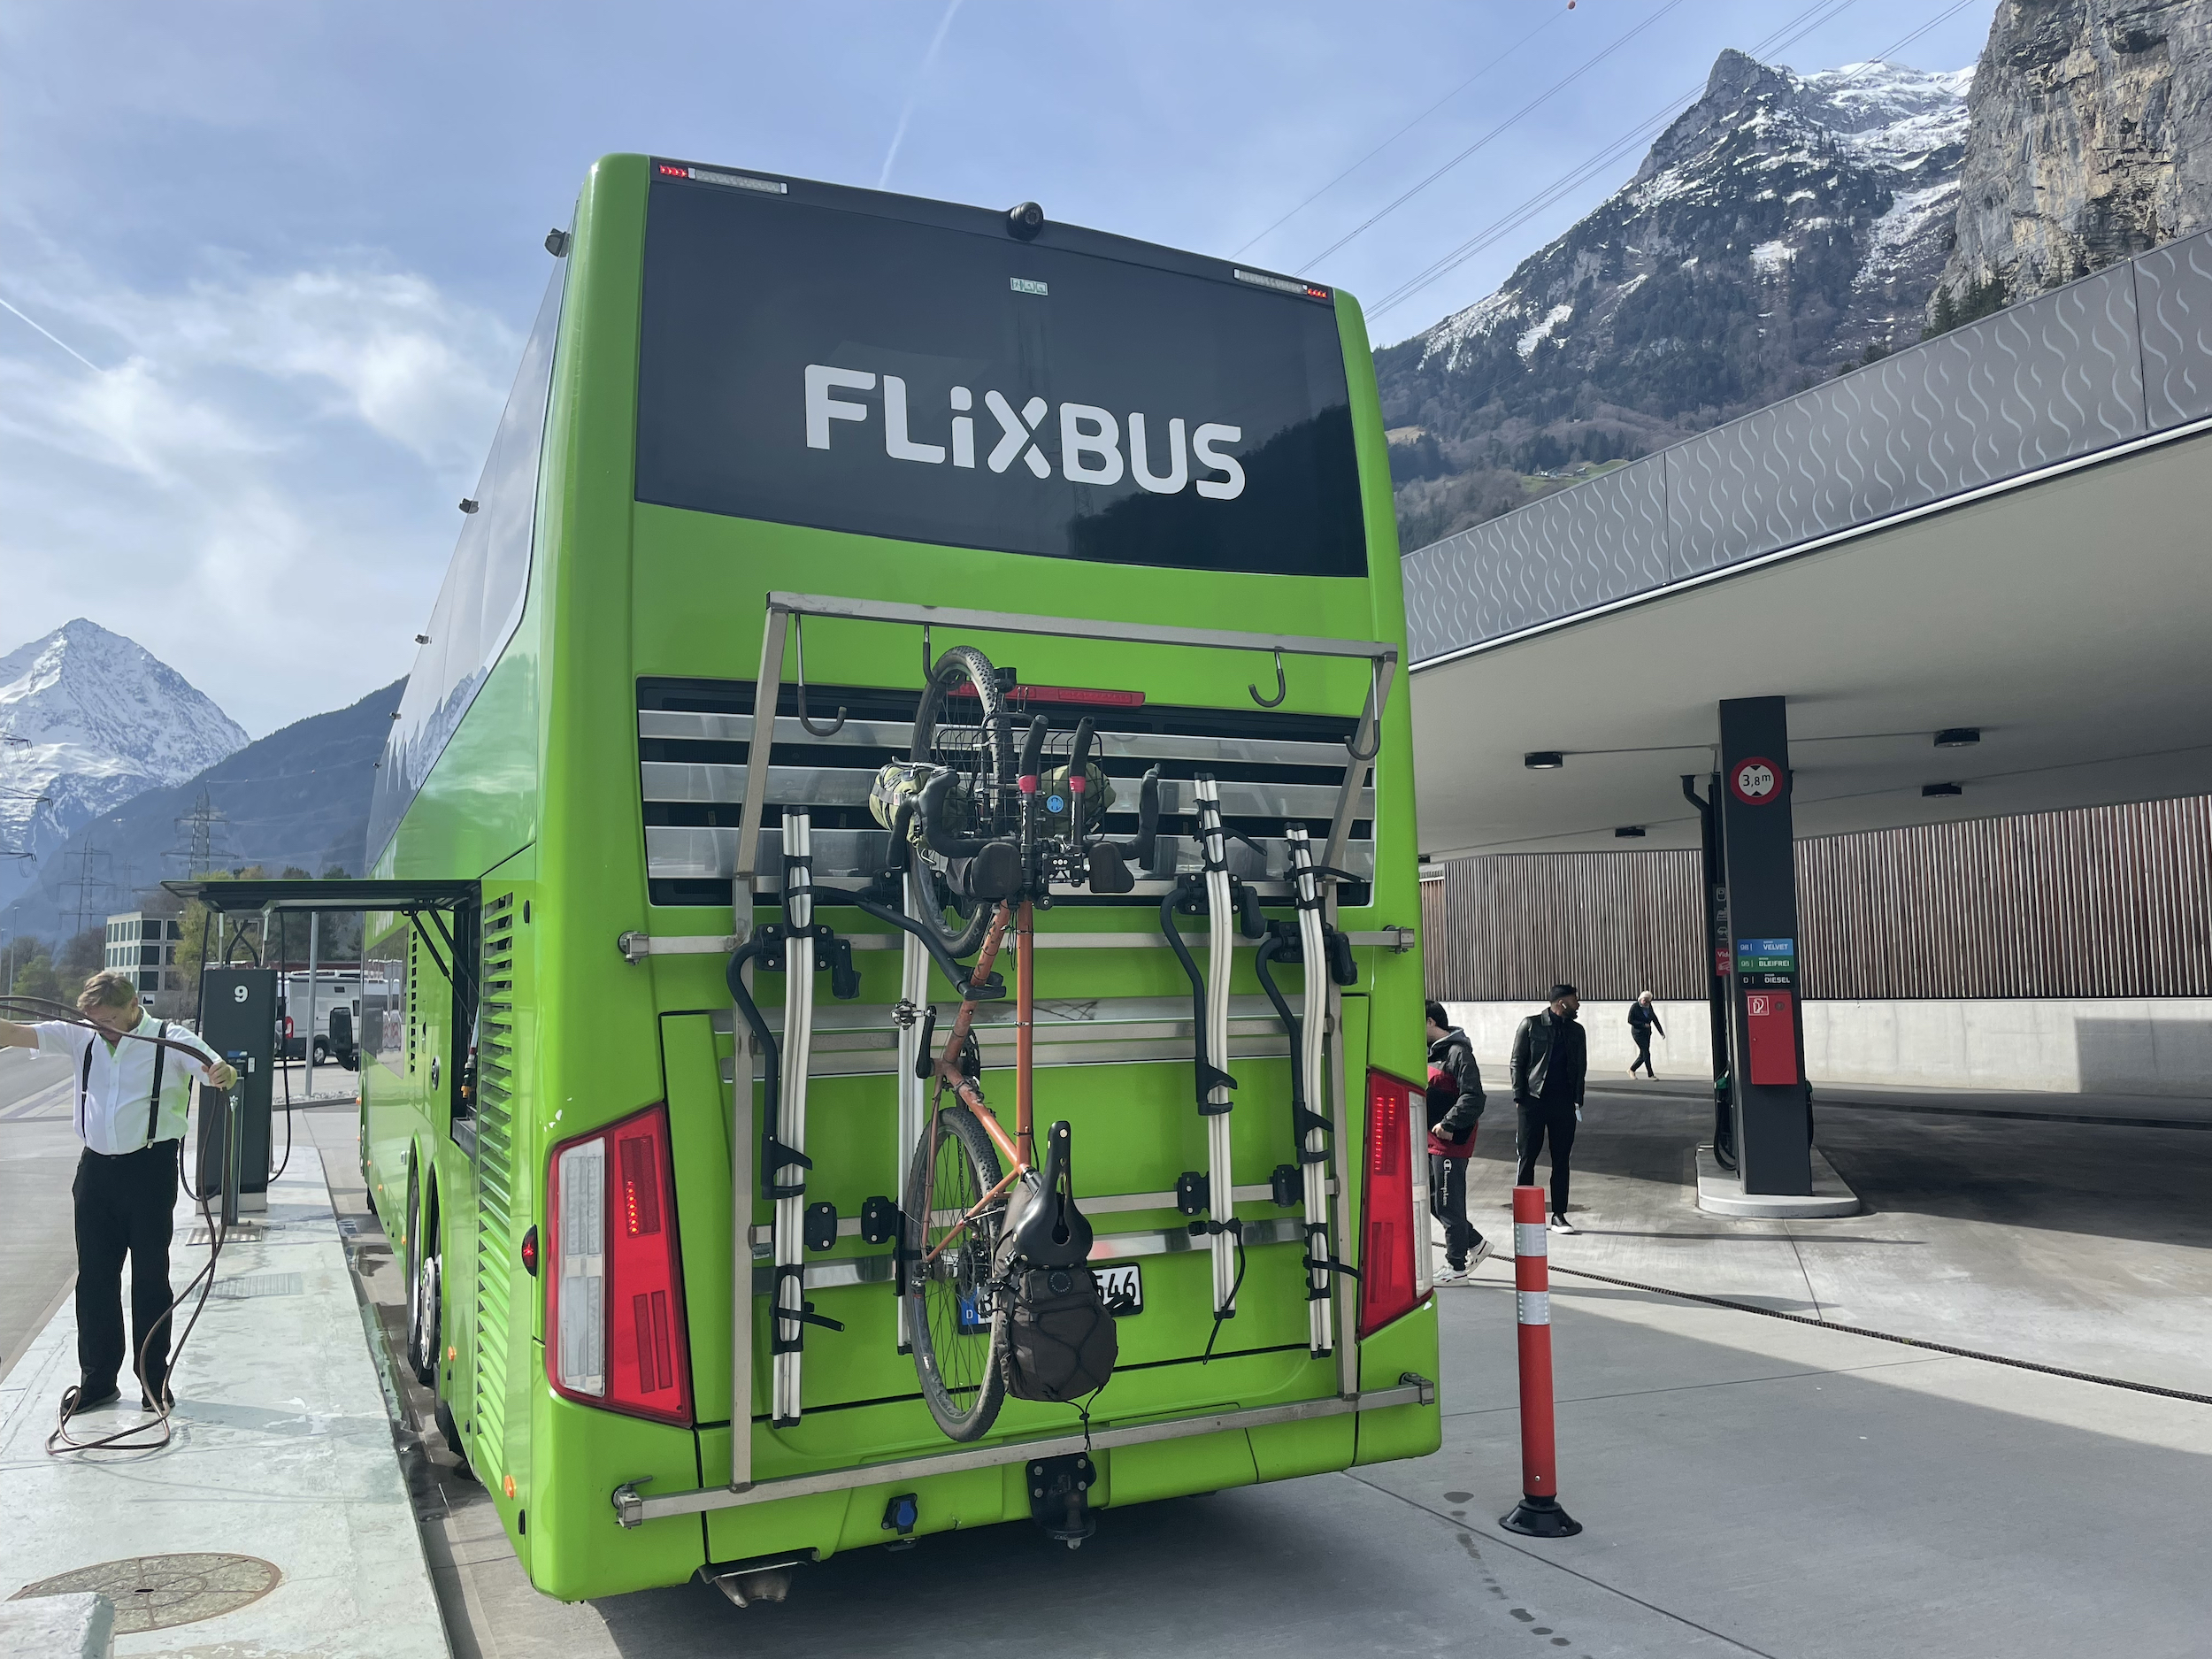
(1755, 781)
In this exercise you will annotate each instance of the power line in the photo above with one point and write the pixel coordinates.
(1403, 131)
(1792, 32)
(1543, 198)
(1402, 198)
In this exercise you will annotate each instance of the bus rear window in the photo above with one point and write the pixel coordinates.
(811, 365)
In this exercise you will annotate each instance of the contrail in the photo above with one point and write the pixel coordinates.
(898, 137)
(63, 344)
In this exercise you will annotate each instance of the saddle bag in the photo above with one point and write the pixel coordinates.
(1061, 1345)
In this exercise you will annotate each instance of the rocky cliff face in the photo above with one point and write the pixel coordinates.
(2089, 139)
(1784, 226)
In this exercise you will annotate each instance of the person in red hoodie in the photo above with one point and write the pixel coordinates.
(1455, 1108)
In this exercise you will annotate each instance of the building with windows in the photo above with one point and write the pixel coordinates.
(146, 948)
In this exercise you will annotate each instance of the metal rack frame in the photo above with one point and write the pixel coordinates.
(784, 612)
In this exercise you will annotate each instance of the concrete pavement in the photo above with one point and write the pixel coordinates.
(283, 1455)
(1748, 1486)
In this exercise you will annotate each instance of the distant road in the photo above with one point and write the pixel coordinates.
(38, 1159)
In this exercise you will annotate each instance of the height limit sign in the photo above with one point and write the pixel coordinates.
(1755, 781)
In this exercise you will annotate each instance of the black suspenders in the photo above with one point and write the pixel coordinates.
(153, 1101)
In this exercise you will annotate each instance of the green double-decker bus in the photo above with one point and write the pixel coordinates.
(776, 447)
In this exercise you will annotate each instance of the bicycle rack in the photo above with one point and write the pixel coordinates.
(788, 1324)
(782, 612)
(913, 1089)
(1221, 928)
(1313, 1032)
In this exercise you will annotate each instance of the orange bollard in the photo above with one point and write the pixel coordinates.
(1538, 1514)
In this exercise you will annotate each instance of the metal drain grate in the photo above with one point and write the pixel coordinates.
(155, 1592)
(240, 1232)
(260, 1285)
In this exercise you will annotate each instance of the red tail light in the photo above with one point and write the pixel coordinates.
(1389, 1285)
(288, 1028)
(615, 1333)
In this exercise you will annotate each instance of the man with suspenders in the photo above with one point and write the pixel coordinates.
(133, 1092)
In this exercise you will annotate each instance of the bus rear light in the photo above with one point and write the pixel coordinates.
(617, 1335)
(1388, 1287)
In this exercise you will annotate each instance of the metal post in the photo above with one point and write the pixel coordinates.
(233, 1127)
(307, 1050)
(1221, 925)
(1538, 1514)
(1758, 852)
(1312, 1035)
(798, 1030)
(913, 1091)
(743, 1127)
(1341, 1169)
(766, 692)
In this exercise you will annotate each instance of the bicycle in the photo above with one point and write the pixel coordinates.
(993, 1248)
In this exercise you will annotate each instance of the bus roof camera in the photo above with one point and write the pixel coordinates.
(1025, 220)
(1958, 737)
(1543, 760)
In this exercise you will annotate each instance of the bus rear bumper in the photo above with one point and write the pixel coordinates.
(632, 1508)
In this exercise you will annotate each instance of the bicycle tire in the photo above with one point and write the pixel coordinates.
(994, 774)
(963, 1379)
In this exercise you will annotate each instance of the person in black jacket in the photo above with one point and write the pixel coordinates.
(1455, 1108)
(1550, 1055)
(1643, 1019)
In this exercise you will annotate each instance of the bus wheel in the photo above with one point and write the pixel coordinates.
(953, 1319)
(423, 1290)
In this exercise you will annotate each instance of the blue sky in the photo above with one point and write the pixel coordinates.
(289, 251)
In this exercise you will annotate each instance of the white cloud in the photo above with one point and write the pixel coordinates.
(257, 484)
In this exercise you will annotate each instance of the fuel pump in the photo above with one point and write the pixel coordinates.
(239, 1020)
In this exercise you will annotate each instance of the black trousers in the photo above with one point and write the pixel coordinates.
(1447, 1202)
(124, 1207)
(1541, 1120)
(1642, 1033)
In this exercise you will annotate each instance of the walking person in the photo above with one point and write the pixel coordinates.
(131, 1076)
(1455, 1103)
(1550, 1055)
(1643, 1019)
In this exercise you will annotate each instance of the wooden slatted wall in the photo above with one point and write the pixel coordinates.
(2102, 901)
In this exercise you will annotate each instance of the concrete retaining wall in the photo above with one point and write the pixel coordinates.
(2080, 1045)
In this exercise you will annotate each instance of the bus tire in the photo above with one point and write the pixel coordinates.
(423, 1288)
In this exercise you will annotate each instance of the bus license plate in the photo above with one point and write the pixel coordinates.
(1123, 1288)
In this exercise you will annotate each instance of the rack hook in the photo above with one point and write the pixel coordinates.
(1282, 689)
(798, 642)
(1374, 702)
(928, 667)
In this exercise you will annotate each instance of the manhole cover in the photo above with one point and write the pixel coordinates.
(154, 1591)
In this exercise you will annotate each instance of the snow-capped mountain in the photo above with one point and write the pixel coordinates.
(88, 719)
(1783, 228)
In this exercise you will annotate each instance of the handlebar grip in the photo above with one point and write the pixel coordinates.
(1033, 748)
(1147, 817)
(941, 839)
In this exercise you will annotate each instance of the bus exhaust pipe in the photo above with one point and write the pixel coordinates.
(746, 1585)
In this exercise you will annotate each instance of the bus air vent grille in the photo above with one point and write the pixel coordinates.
(494, 1171)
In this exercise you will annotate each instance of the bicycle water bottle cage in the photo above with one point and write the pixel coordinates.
(1043, 1227)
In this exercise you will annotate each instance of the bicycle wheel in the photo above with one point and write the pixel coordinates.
(952, 1316)
(983, 754)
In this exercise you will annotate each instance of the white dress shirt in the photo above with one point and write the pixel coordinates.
(112, 1106)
